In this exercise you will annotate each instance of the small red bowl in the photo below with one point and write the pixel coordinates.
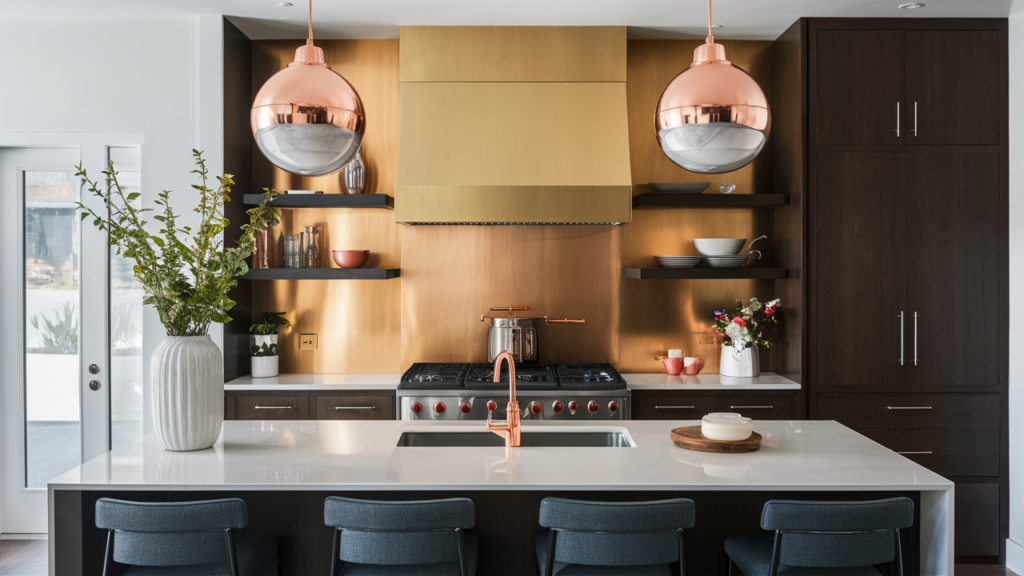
(351, 258)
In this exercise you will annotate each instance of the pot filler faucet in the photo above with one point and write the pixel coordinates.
(510, 429)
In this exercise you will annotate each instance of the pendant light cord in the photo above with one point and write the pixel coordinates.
(309, 42)
(710, 39)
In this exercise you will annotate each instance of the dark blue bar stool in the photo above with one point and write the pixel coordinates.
(183, 538)
(824, 539)
(423, 538)
(613, 538)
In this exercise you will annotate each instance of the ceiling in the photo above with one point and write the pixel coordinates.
(267, 19)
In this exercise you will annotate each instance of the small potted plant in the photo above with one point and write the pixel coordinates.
(742, 334)
(263, 344)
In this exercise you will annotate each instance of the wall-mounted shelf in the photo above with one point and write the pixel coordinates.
(325, 200)
(322, 274)
(676, 200)
(706, 273)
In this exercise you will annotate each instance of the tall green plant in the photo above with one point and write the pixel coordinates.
(186, 274)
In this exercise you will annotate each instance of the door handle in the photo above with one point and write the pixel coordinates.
(897, 119)
(273, 407)
(909, 407)
(751, 407)
(355, 407)
(915, 119)
(915, 337)
(916, 452)
(673, 407)
(901, 337)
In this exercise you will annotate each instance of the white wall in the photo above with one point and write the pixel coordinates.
(161, 78)
(1015, 545)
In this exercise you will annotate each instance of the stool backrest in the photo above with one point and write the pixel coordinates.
(388, 533)
(616, 533)
(837, 534)
(170, 533)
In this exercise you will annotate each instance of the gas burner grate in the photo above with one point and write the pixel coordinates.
(597, 376)
(434, 376)
(528, 377)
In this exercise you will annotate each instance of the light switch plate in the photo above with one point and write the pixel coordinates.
(307, 341)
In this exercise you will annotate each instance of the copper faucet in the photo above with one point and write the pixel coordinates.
(510, 429)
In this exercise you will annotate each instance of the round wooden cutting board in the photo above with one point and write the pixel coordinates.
(690, 438)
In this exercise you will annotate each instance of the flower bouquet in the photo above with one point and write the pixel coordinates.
(742, 333)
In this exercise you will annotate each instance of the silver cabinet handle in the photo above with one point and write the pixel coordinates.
(909, 407)
(901, 337)
(273, 407)
(915, 119)
(355, 407)
(916, 452)
(751, 407)
(915, 337)
(673, 407)
(897, 119)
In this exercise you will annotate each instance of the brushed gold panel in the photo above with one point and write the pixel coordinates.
(526, 53)
(453, 274)
(513, 204)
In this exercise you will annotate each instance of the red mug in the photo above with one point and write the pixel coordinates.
(692, 366)
(673, 365)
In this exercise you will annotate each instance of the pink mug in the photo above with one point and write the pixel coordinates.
(673, 365)
(692, 366)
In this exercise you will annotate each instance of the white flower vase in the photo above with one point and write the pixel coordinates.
(740, 363)
(187, 376)
(264, 366)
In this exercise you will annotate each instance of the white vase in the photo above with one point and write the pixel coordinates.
(187, 375)
(740, 363)
(263, 366)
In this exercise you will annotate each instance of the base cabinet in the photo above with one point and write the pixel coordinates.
(693, 405)
(976, 513)
(310, 405)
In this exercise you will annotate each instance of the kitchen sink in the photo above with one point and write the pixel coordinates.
(603, 439)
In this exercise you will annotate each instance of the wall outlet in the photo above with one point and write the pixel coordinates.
(307, 341)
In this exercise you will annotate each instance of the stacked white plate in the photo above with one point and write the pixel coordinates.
(678, 261)
(727, 261)
(719, 246)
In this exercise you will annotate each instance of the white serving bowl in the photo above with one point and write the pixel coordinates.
(719, 246)
(726, 427)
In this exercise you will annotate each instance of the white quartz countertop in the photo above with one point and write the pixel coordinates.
(662, 381)
(316, 382)
(362, 455)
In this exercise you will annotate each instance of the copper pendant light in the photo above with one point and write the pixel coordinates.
(712, 117)
(307, 119)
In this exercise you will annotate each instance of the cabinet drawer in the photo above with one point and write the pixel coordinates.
(910, 410)
(370, 407)
(672, 407)
(757, 407)
(977, 519)
(945, 451)
(271, 408)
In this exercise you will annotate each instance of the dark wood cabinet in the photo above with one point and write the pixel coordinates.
(672, 407)
(908, 410)
(310, 405)
(759, 407)
(945, 451)
(356, 407)
(693, 405)
(271, 408)
(975, 504)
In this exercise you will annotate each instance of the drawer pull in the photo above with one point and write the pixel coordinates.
(751, 407)
(673, 407)
(909, 407)
(273, 407)
(355, 407)
(916, 452)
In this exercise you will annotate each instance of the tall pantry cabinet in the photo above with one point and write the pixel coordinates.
(907, 226)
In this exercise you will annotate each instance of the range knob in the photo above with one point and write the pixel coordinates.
(417, 407)
(439, 407)
(572, 407)
(557, 407)
(613, 406)
(492, 405)
(536, 408)
(465, 408)
(593, 406)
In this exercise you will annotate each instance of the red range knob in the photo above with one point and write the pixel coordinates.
(557, 407)
(613, 406)
(439, 407)
(536, 408)
(492, 405)
(465, 407)
(573, 405)
(417, 407)
(593, 406)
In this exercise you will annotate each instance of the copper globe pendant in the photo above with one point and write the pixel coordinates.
(307, 119)
(713, 117)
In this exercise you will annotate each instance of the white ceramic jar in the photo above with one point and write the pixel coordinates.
(264, 366)
(738, 363)
(187, 375)
(726, 427)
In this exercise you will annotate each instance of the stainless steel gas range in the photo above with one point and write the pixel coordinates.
(456, 391)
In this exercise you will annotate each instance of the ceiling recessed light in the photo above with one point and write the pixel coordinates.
(716, 26)
(285, 4)
(911, 6)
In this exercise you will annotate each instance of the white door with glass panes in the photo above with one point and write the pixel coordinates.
(72, 349)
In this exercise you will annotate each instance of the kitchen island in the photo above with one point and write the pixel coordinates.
(285, 469)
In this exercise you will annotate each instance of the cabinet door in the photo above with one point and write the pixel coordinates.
(857, 254)
(952, 87)
(674, 407)
(271, 408)
(858, 76)
(976, 514)
(757, 407)
(954, 254)
(350, 407)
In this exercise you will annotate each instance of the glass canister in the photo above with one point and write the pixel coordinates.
(292, 250)
(310, 251)
(355, 175)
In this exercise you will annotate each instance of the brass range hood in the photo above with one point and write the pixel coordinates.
(513, 125)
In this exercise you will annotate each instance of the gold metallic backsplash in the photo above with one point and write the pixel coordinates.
(452, 274)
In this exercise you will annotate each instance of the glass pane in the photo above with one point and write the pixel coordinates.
(125, 320)
(52, 244)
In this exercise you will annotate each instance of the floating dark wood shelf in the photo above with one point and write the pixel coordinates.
(325, 200)
(676, 200)
(322, 274)
(705, 273)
